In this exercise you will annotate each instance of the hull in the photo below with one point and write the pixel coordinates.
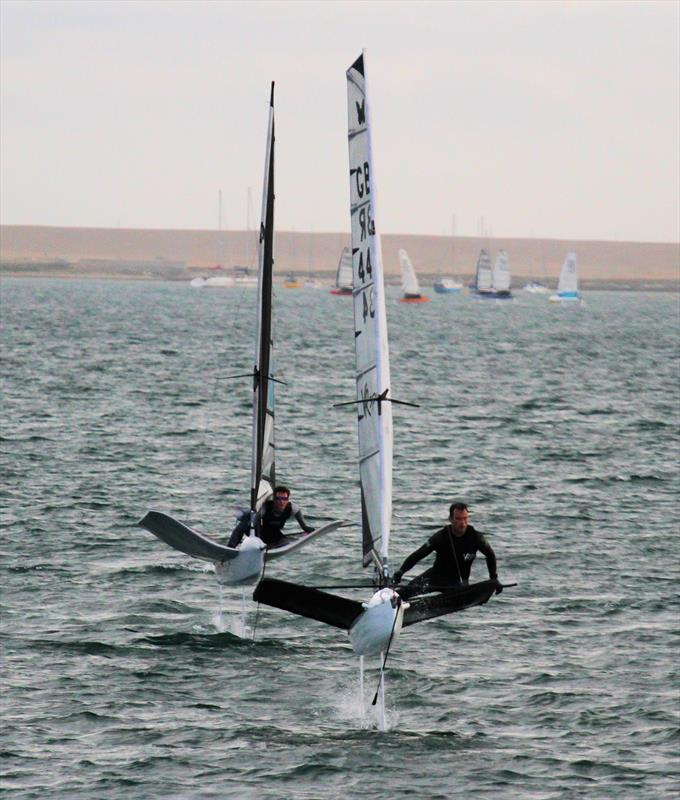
(420, 299)
(491, 296)
(342, 292)
(246, 568)
(241, 565)
(449, 601)
(378, 624)
(447, 290)
(564, 298)
(220, 282)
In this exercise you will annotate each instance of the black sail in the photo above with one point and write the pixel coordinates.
(263, 462)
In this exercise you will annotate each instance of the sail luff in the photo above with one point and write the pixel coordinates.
(370, 329)
(262, 477)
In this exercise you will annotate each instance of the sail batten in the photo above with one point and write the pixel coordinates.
(483, 276)
(372, 375)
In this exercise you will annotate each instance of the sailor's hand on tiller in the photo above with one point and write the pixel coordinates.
(396, 578)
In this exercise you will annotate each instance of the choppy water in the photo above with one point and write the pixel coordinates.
(124, 674)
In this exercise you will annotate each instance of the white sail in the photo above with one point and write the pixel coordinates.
(501, 272)
(343, 277)
(568, 283)
(370, 329)
(409, 281)
(483, 282)
(262, 474)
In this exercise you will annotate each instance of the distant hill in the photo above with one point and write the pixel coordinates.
(181, 252)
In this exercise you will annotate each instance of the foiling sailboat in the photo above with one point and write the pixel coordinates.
(244, 564)
(375, 624)
(343, 276)
(409, 281)
(492, 282)
(567, 288)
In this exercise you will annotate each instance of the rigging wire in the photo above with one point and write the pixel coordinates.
(257, 610)
(387, 651)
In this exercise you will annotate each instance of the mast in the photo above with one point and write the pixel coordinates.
(374, 416)
(262, 478)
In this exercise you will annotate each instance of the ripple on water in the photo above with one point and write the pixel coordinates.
(131, 673)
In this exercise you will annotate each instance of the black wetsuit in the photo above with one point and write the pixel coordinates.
(452, 563)
(271, 524)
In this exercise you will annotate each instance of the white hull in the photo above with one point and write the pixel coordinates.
(246, 568)
(535, 288)
(378, 624)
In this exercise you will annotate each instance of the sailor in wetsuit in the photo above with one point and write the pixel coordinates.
(455, 546)
(273, 516)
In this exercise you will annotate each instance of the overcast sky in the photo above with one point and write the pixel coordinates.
(544, 119)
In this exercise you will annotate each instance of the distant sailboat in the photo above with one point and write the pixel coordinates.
(567, 288)
(343, 276)
(534, 287)
(219, 280)
(447, 286)
(481, 285)
(409, 281)
(492, 282)
(291, 282)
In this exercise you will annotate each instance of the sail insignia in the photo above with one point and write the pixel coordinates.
(372, 374)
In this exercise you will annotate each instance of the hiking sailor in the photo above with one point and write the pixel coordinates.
(455, 546)
(274, 514)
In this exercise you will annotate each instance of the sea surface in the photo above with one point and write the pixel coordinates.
(127, 672)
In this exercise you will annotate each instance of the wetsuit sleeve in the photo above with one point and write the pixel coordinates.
(297, 513)
(416, 556)
(485, 548)
(242, 527)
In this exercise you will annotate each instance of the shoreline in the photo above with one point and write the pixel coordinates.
(28, 271)
(183, 254)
